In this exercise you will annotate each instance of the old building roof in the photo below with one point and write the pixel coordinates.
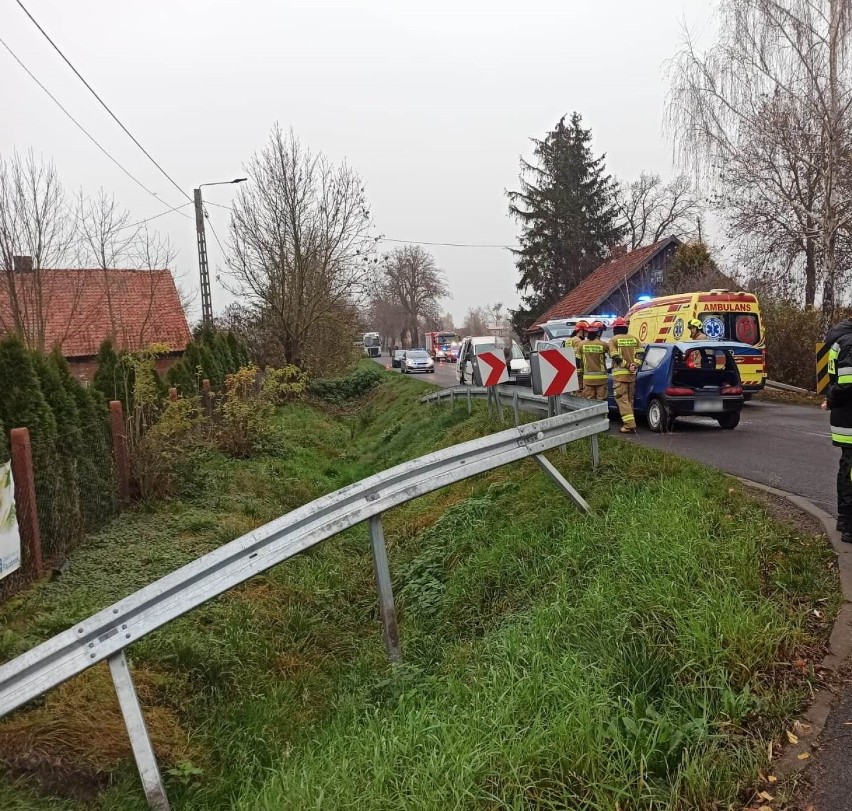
(76, 309)
(601, 283)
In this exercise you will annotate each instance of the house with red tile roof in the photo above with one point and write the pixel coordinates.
(616, 285)
(76, 309)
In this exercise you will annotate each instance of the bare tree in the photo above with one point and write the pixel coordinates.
(766, 111)
(476, 321)
(412, 279)
(651, 209)
(300, 240)
(34, 226)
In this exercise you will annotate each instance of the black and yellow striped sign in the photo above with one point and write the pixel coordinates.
(822, 367)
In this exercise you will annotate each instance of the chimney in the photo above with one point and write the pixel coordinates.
(22, 264)
(617, 251)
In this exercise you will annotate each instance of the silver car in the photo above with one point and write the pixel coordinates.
(416, 361)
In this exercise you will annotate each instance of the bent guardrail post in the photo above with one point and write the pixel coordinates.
(387, 609)
(140, 742)
(561, 482)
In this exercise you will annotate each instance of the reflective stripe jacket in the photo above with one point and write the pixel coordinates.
(576, 343)
(839, 395)
(626, 352)
(594, 361)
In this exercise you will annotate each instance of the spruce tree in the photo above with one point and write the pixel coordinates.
(238, 350)
(5, 454)
(566, 208)
(182, 379)
(22, 405)
(227, 361)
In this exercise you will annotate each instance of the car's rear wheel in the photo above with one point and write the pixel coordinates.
(729, 421)
(659, 419)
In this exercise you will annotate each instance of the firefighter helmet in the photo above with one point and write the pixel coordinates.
(619, 322)
(597, 325)
(581, 325)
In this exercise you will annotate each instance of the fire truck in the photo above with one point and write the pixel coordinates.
(443, 346)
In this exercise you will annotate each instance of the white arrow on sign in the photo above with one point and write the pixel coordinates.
(557, 371)
(492, 369)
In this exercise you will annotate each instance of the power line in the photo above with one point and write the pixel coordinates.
(450, 244)
(215, 235)
(161, 214)
(218, 205)
(76, 122)
(103, 103)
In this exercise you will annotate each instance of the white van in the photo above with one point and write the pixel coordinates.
(519, 366)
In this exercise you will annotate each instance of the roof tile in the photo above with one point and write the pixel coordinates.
(82, 307)
(601, 283)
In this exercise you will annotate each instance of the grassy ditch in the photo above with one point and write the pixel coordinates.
(637, 658)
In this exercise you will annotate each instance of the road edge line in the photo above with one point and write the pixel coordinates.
(839, 642)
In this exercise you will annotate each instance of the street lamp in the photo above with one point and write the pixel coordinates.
(203, 268)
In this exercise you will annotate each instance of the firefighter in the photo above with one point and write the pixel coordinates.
(696, 330)
(839, 401)
(626, 353)
(594, 363)
(576, 343)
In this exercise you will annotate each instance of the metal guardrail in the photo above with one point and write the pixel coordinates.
(518, 398)
(106, 634)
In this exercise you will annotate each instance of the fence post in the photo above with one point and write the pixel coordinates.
(205, 397)
(173, 394)
(25, 500)
(119, 450)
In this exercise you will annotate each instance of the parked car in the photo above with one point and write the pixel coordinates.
(689, 379)
(416, 361)
(397, 358)
(519, 366)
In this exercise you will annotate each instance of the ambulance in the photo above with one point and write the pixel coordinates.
(725, 316)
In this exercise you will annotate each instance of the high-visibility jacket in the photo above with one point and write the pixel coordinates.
(839, 394)
(594, 361)
(576, 343)
(626, 353)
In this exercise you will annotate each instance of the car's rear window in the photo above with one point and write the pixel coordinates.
(418, 355)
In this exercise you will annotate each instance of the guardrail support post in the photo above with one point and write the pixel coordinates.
(499, 403)
(469, 404)
(561, 482)
(453, 398)
(515, 408)
(143, 752)
(383, 582)
(596, 454)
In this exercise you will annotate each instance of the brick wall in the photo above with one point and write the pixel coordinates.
(84, 368)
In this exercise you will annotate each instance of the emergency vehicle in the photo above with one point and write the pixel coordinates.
(725, 316)
(443, 345)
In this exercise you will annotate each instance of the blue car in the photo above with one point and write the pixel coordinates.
(689, 379)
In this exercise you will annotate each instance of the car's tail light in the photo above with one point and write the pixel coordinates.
(678, 391)
(732, 391)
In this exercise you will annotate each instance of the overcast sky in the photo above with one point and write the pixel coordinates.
(432, 102)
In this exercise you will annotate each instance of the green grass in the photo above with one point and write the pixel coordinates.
(635, 658)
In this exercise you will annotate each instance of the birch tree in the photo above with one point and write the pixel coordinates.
(763, 115)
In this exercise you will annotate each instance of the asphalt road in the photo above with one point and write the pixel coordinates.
(784, 446)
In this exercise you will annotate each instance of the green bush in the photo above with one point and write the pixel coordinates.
(282, 385)
(340, 390)
(4, 445)
(165, 455)
(244, 416)
(181, 377)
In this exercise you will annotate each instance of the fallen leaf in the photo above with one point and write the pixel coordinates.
(800, 664)
(765, 795)
(772, 778)
(791, 737)
(804, 756)
(801, 729)
(818, 614)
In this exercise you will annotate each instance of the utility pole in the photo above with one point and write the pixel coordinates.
(203, 267)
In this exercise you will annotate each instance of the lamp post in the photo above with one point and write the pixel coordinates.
(203, 267)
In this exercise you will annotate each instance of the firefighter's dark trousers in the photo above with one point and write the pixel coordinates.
(844, 491)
